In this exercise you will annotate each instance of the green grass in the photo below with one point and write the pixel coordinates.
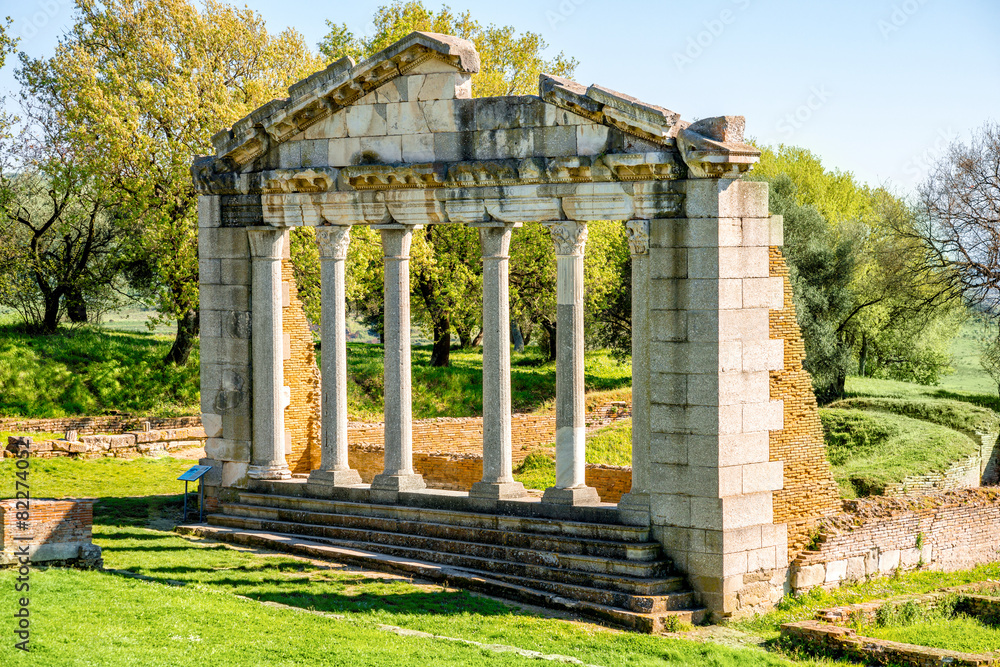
(611, 445)
(90, 371)
(537, 471)
(35, 436)
(803, 607)
(955, 634)
(457, 391)
(104, 477)
(869, 451)
(957, 415)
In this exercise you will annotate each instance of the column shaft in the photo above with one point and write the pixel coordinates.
(398, 474)
(334, 468)
(570, 488)
(498, 480)
(267, 350)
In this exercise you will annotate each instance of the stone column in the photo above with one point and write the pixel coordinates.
(634, 505)
(333, 469)
(498, 481)
(570, 489)
(398, 474)
(267, 350)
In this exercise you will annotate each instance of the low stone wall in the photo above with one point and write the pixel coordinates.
(91, 425)
(458, 472)
(124, 445)
(845, 641)
(59, 530)
(876, 536)
(976, 470)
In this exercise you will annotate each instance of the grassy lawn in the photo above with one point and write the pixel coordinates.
(90, 371)
(955, 634)
(870, 450)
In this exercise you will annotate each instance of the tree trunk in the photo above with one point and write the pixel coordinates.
(841, 383)
(863, 356)
(50, 320)
(76, 307)
(187, 332)
(515, 337)
(550, 341)
(441, 352)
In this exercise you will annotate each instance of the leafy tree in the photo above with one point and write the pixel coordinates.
(145, 84)
(7, 45)
(989, 352)
(509, 62)
(61, 245)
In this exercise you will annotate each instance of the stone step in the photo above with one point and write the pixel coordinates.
(520, 524)
(642, 578)
(654, 622)
(580, 546)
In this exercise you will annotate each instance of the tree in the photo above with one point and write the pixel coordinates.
(446, 267)
(62, 246)
(509, 62)
(989, 352)
(7, 45)
(959, 226)
(144, 84)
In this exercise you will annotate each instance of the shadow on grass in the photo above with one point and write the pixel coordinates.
(982, 400)
(141, 511)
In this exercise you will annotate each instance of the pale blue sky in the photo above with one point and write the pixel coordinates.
(876, 87)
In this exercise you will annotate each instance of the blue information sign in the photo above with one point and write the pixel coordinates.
(194, 473)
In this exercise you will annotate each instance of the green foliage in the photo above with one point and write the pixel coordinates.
(142, 86)
(92, 371)
(509, 62)
(869, 451)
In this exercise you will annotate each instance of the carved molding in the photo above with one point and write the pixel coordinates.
(638, 236)
(569, 237)
(714, 148)
(333, 241)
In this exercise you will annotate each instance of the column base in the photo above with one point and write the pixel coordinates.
(346, 477)
(580, 495)
(269, 472)
(486, 495)
(633, 509)
(386, 488)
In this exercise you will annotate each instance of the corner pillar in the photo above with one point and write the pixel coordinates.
(569, 239)
(334, 469)
(398, 474)
(267, 350)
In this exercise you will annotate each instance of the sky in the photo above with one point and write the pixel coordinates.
(875, 87)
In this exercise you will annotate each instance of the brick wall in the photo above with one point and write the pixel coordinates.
(89, 425)
(302, 418)
(809, 491)
(59, 530)
(122, 445)
(949, 531)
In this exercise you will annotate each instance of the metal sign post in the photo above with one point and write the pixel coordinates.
(195, 473)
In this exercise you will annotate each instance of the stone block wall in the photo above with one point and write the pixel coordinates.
(876, 536)
(60, 530)
(809, 492)
(121, 445)
(102, 424)
(964, 474)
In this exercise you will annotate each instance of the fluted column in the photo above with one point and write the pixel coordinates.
(398, 474)
(498, 480)
(267, 350)
(570, 238)
(333, 468)
(634, 505)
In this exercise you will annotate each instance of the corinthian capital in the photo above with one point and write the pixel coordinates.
(569, 237)
(333, 241)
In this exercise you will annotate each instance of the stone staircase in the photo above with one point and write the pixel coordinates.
(610, 572)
